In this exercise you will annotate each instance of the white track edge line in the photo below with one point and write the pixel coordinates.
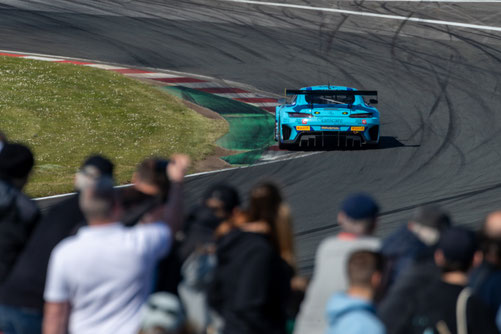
(385, 16)
(199, 174)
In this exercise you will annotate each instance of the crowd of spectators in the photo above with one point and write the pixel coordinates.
(128, 260)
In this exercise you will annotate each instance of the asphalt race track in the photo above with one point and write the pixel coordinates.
(439, 89)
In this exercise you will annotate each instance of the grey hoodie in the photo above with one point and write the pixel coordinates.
(350, 315)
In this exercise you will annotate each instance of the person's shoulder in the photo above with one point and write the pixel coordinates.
(28, 210)
(480, 315)
(476, 304)
(67, 247)
(254, 239)
(361, 321)
(334, 243)
(158, 226)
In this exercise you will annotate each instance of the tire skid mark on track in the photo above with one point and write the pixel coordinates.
(297, 53)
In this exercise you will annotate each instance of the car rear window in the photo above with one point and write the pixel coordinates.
(330, 99)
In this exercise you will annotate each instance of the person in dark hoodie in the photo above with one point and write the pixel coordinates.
(486, 278)
(447, 304)
(18, 214)
(352, 312)
(251, 283)
(410, 263)
(21, 294)
(414, 241)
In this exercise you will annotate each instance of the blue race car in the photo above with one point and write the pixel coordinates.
(323, 115)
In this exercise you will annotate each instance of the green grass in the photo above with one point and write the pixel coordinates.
(65, 112)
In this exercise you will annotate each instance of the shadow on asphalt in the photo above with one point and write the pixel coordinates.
(385, 142)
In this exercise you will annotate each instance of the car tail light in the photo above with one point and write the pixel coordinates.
(299, 114)
(364, 115)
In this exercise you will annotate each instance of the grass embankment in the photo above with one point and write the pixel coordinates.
(65, 112)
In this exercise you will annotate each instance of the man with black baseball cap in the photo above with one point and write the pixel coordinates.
(446, 305)
(357, 219)
(21, 294)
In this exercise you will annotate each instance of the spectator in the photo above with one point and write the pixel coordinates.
(415, 241)
(99, 279)
(446, 305)
(218, 208)
(22, 292)
(219, 203)
(485, 280)
(251, 282)
(268, 214)
(410, 263)
(357, 220)
(18, 213)
(151, 187)
(352, 312)
(18, 217)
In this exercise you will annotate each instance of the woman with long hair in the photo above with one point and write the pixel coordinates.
(267, 213)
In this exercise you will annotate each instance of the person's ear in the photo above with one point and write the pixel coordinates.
(376, 279)
(478, 258)
(341, 217)
(439, 258)
(410, 225)
(134, 178)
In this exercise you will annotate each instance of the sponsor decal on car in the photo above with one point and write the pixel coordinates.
(364, 121)
(303, 128)
(330, 127)
(357, 128)
(304, 121)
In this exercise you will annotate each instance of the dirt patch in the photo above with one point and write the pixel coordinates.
(203, 111)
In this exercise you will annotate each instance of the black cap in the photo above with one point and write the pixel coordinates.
(458, 244)
(431, 216)
(16, 160)
(227, 194)
(360, 206)
(104, 165)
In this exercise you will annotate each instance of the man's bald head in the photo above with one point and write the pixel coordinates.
(492, 226)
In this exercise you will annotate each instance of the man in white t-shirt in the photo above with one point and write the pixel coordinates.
(99, 279)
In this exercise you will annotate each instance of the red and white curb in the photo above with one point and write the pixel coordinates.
(204, 84)
(223, 88)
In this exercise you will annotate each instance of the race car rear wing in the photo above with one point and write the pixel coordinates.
(330, 92)
(333, 92)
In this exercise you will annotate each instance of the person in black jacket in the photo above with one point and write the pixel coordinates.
(485, 280)
(251, 283)
(21, 294)
(447, 304)
(18, 213)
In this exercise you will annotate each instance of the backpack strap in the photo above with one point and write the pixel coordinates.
(461, 318)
